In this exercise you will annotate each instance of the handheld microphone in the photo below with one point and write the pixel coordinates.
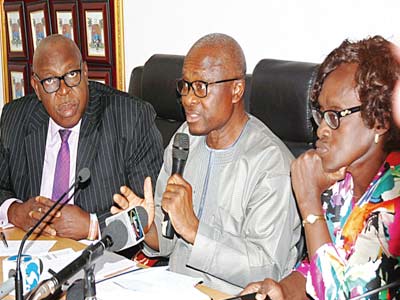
(7, 286)
(114, 238)
(180, 152)
(133, 219)
(83, 177)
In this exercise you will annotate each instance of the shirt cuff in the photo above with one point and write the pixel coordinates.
(206, 238)
(4, 211)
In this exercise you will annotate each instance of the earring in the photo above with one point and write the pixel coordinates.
(376, 139)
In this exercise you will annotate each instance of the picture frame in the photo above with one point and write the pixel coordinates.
(39, 25)
(15, 31)
(96, 32)
(103, 75)
(65, 21)
(18, 80)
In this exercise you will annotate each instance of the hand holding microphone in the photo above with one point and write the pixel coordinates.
(177, 198)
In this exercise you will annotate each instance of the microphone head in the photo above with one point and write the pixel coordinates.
(83, 175)
(180, 147)
(118, 233)
(143, 217)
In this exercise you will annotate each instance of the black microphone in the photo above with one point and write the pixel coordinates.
(180, 152)
(83, 177)
(114, 238)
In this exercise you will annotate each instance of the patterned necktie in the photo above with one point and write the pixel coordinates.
(61, 175)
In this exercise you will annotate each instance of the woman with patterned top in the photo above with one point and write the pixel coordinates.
(353, 238)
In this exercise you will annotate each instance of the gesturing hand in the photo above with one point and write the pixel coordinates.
(128, 199)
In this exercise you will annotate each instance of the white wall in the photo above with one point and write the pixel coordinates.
(305, 30)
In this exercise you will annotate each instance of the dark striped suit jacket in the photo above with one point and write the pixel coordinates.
(118, 141)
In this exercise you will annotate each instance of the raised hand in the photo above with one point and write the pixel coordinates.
(310, 180)
(128, 199)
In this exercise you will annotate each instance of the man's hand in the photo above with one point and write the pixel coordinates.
(177, 202)
(291, 287)
(265, 288)
(71, 221)
(25, 215)
(128, 199)
(310, 180)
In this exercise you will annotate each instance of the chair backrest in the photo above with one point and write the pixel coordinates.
(155, 83)
(280, 92)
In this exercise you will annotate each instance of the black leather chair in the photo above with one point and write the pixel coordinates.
(155, 83)
(280, 92)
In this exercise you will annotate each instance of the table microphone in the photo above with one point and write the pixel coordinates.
(180, 153)
(115, 236)
(83, 176)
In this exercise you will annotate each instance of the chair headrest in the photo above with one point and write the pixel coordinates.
(158, 85)
(280, 95)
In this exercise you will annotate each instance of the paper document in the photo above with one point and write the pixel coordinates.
(152, 283)
(32, 247)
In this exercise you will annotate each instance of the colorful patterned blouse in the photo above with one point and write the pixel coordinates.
(365, 249)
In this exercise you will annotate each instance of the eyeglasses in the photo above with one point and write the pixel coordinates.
(200, 88)
(332, 117)
(52, 84)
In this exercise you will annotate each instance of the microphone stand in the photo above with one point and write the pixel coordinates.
(89, 282)
(18, 275)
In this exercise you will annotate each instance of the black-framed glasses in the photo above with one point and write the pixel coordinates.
(52, 84)
(332, 117)
(200, 87)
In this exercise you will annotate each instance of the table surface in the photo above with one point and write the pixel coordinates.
(62, 243)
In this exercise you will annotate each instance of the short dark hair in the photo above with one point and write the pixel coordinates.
(375, 78)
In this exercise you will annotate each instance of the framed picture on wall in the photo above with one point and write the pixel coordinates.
(16, 39)
(102, 75)
(65, 24)
(18, 80)
(38, 27)
(14, 31)
(38, 23)
(96, 32)
(65, 21)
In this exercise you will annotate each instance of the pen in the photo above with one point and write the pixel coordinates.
(3, 238)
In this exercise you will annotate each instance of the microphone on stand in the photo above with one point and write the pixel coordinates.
(180, 152)
(83, 177)
(115, 237)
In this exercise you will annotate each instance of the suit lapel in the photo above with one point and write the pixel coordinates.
(89, 134)
(35, 145)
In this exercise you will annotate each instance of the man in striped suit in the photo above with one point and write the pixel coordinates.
(68, 124)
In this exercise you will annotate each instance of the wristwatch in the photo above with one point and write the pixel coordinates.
(311, 219)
